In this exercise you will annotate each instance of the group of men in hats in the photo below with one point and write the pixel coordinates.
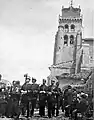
(47, 96)
(24, 100)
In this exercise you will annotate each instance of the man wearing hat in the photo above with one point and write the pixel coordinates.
(51, 99)
(67, 100)
(34, 91)
(81, 106)
(83, 103)
(42, 98)
(24, 98)
(13, 102)
(3, 103)
(57, 94)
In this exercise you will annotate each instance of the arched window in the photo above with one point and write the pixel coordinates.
(71, 39)
(66, 26)
(66, 40)
(72, 27)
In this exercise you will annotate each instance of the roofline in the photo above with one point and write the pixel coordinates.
(88, 39)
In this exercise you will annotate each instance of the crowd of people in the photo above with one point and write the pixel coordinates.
(22, 100)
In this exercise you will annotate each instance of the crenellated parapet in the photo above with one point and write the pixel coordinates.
(70, 19)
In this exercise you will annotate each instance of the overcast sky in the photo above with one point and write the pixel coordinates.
(27, 32)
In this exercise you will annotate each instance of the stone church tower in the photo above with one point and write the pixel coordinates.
(68, 42)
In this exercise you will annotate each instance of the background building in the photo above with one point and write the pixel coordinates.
(88, 56)
(72, 54)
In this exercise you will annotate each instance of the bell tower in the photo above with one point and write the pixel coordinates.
(68, 41)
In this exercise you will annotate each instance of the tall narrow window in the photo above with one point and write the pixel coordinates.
(66, 40)
(66, 28)
(71, 39)
(72, 27)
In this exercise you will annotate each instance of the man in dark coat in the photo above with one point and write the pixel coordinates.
(73, 108)
(51, 100)
(57, 93)
(24, 102)
(42, 98)
(25, 97)
(3, 104)
(83, 104)
(14, 101)
(67, 100)
(81, 107)
(34, 95)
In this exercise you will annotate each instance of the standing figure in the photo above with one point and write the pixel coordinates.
(3, 104)
(67, 100)
(9, 104)
(42, 98)
(57, 93)
(15, 97)
(24, 97)
(24, 102)
(34, 95)
(51, 100)
(83, 104)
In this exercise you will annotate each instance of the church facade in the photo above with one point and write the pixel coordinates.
(69, 48)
